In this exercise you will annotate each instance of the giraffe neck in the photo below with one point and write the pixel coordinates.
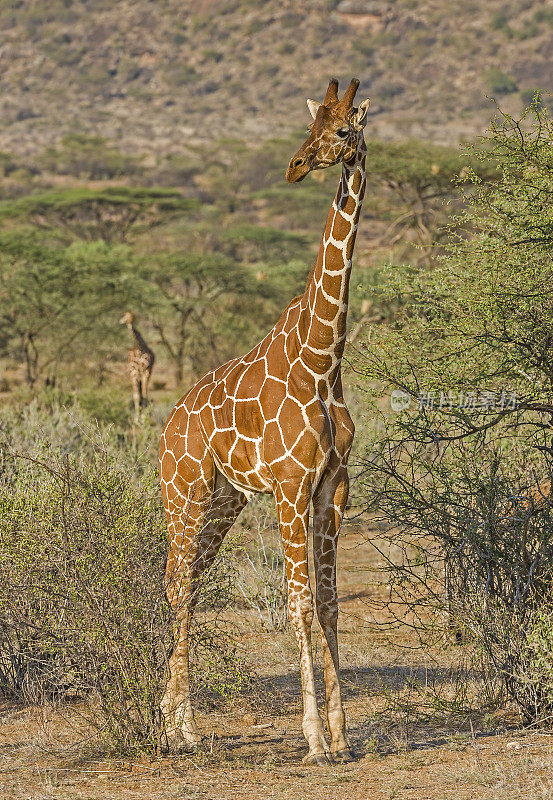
(138, 339)
(325, 300)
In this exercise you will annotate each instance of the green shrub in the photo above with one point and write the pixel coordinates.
(209, 54)
(253, 26)
(543, 15)
(82, 606)
(364, 46)
(535, 679)
(254, 243)
(528, 31)
(286, 48)
(81, 609)
(182, 74)
(88, 157)
(499, 82)
(106, 407)
(532, 98)
(453, 471)
(500, 22)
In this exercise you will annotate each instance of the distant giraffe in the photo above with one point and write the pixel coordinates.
(141, 363)
(275, 421)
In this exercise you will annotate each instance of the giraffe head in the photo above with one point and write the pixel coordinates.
(127, 318)
(335, 134)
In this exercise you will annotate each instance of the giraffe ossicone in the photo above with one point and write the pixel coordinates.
(275, 421)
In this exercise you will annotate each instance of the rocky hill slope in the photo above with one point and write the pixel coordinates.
(163, 76)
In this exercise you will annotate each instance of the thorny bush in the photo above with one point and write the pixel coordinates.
(471, 354)
(83, 612)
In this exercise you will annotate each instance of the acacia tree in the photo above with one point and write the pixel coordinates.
(200, 306)
(469, 363)
(422, 178)
(480, 320)
(35, 291)
(58, 302)
(110, 213)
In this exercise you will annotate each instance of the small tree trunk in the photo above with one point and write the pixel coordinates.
(178, 372)
(31, 359)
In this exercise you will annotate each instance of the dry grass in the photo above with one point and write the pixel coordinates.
(255, 744)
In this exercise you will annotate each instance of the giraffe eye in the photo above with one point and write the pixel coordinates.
(342, 133)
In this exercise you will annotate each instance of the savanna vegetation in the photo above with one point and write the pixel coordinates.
(469, 359)
(163, 77)
(449, 320)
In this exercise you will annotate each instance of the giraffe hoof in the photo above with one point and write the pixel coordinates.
(178, 745)
(195, 746)
(343, 756)
(318, 759)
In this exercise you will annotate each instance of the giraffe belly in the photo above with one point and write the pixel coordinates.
(233, 430)
(239, 460)
(230, 475)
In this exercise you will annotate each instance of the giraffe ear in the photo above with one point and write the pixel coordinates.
(360, 118)
(313, 107)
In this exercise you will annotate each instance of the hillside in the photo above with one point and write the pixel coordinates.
(162, 77)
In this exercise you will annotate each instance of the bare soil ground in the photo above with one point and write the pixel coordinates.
(254, 746)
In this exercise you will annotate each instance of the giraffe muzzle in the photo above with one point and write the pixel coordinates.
(298, 168)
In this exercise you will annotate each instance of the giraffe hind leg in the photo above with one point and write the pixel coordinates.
(136, 395)
(194, 547)
(144, 380)
(329, 502)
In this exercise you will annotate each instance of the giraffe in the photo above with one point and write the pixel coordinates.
(140, 361)
(275, 422)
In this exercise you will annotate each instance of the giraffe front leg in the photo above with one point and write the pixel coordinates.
(293, 513)
(176, 705)
(136, 396)
(144, 381)
(207, 523)
(329, 502)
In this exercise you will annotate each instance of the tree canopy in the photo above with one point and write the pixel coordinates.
(481, 319)
(108, 213)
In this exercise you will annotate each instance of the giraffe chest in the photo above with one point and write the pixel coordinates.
(256, 441)
(139, 363)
